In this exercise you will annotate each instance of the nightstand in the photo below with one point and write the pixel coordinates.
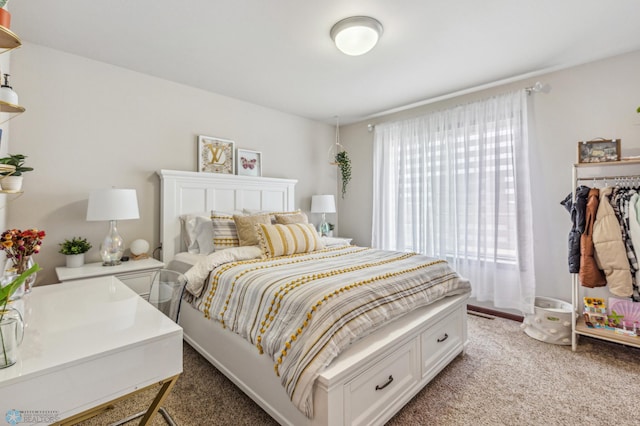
(137, 274)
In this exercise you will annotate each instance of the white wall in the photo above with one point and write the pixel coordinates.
(589, 101)
(91, 125)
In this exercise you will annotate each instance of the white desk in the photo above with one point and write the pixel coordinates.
(87, 343)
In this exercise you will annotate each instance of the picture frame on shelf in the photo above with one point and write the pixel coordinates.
(249, 162)
(599, 151)
(216, 155)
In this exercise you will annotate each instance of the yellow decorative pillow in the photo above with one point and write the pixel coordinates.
(283, 240)
(246, 227)
(285, 219)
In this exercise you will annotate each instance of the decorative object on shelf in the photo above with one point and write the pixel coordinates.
(11, 322)
(5, 16)
(18, 247)
(74, 250)
(599, 150)
(139, 249)
(7, 94)
(331, 228)
(11, 181)
(249, 162)
(112, 205)
(323, 204)
(356, 35)
(215, 155)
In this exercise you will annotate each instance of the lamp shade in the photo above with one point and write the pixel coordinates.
(323, 204)
(112, 204)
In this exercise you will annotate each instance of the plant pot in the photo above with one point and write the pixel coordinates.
(11, 183)
(75, 260)
(5, 18)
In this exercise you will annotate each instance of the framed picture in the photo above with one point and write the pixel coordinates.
(215, 155)
(599, 151)
(249, 162)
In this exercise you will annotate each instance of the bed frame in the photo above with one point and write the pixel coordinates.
(369, 382)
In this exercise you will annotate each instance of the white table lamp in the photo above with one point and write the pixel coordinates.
(112, 205)
(323, 204)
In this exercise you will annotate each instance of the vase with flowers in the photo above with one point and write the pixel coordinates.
(11, 322)
(18, 247)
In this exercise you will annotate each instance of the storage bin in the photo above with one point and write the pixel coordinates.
(550, 322)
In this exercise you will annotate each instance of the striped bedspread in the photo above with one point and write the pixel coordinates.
(303, 310)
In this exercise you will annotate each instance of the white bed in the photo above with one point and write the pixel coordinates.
(366, 384)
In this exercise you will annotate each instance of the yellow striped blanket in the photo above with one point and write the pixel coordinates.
(303, 310)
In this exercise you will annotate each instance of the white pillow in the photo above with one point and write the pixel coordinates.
(191, 226)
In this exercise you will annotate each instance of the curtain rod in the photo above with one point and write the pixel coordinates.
(594, 178)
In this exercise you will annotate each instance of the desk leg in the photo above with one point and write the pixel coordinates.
(159, 399)
(167, 385)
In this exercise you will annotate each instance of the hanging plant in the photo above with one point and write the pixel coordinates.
(343, 162)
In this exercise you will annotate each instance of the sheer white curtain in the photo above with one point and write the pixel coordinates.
(454, 184)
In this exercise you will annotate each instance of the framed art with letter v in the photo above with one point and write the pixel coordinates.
(215, 155)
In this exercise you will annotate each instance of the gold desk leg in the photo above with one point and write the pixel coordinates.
(159, 399)
(167, 385)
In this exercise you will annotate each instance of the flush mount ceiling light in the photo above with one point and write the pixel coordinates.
(356, 35)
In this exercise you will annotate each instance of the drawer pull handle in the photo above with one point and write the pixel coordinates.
(442, 339)
(378, 387)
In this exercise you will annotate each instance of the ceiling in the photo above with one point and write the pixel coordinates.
(278, 53)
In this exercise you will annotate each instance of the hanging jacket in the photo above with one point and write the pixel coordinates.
(634, 232)
(590, 275)
(577, 211)
(610, 252)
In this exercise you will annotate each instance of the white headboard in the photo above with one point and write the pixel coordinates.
(191, 192)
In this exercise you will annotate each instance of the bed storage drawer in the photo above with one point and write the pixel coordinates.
(370, 393)
(444, 337)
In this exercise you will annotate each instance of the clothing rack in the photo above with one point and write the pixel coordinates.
(576, 302)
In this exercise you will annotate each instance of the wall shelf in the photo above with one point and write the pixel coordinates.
(8, 39)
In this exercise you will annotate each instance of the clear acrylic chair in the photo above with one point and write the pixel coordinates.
(166, 291)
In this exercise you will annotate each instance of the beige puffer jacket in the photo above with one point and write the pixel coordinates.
(611, 254)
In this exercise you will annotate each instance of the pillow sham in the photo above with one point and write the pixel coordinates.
(192, 225)
(246, 227)
(288, 218)
(272, 214)
(283, 240)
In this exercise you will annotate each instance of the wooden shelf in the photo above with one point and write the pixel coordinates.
(604, 334)
(11, 108)
(8, 39)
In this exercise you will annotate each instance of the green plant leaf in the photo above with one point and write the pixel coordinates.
(7, 291)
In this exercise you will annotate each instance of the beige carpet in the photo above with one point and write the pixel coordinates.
(505, 378)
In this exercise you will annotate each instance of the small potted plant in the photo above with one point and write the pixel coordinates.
(12, 180)
(74, 249)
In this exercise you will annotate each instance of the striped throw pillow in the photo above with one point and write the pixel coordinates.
(283, 240)
(225, 234)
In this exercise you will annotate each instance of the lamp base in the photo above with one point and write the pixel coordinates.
(112, 247)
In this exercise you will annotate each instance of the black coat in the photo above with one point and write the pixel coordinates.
(578, 218)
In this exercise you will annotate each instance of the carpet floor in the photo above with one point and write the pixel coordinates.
(504, 378)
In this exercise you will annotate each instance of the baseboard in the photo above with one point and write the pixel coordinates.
(495, 313)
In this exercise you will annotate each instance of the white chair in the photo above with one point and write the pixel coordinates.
(166, 291)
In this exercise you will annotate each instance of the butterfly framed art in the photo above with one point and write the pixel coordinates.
(215, 155)
(249, 163)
